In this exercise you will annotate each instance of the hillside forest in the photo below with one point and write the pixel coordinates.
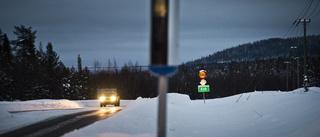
(27, 72)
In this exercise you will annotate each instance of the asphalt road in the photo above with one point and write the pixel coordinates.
(61, 125)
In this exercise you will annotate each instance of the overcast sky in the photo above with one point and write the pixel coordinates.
(119, 29)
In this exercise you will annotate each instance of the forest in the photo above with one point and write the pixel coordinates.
(263, 50)
(28, 73)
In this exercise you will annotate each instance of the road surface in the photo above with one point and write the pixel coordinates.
(59, 126)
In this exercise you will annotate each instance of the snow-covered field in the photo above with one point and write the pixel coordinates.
(268, 113)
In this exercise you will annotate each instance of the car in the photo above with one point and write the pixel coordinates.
(108, 96)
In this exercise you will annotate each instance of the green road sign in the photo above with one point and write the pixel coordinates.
(204, 88)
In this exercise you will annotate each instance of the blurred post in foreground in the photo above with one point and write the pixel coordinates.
(163, 51)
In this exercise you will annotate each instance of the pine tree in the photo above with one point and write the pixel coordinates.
(6, 64)
(66, 82)
(43, 91)
(79, 77)
(79, 65)
(26, 62)
(86, 92)
(2, 73)
(53, 72)
(73, 90)
(41, 55)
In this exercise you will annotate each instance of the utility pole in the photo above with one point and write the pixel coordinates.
(293, 70)
(287, 63)
(306, 79)
(298, 72)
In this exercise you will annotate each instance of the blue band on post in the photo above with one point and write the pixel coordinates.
(163, 70)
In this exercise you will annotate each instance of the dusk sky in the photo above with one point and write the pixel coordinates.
(119, 29)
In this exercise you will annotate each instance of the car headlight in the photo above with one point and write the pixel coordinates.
(102, 98)
(113, 98)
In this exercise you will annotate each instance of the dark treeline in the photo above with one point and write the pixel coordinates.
(131, 80)
(224, 79)
(263, 50)
(29, 73)
(238, 77)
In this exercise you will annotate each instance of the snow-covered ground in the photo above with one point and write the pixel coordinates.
(268, 113)
(24, 113)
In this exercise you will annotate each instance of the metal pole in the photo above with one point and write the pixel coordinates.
(287, 63)
(162, 108)
(305, 54)
(287, 78)
(164, 43)
(306, 79)
(204, 98)
(298, 72)
(293, 78)
(293, 65)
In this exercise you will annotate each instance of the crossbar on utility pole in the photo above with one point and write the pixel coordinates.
(306, 79)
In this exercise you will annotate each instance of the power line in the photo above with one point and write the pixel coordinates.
(305, 13)
(296, 21)
(289, 29)
(299, 31)
(317, 13)
(314, 9)
(305, 23)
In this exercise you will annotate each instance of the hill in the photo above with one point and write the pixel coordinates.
(262, 50)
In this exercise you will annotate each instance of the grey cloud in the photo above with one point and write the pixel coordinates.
(102, 29)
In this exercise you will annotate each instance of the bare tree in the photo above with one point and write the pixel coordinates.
(96, 66)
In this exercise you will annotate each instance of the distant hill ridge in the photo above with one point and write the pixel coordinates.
(263, 50)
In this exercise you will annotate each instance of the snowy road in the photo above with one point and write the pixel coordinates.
(63, 124)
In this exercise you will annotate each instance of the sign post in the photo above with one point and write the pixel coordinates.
(203, 87)
(163, 49)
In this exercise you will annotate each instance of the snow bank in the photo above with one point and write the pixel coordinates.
(3, 113)
(16, 120)
(268, 113)
(57, 108)
(49, 104)
(40, 105)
